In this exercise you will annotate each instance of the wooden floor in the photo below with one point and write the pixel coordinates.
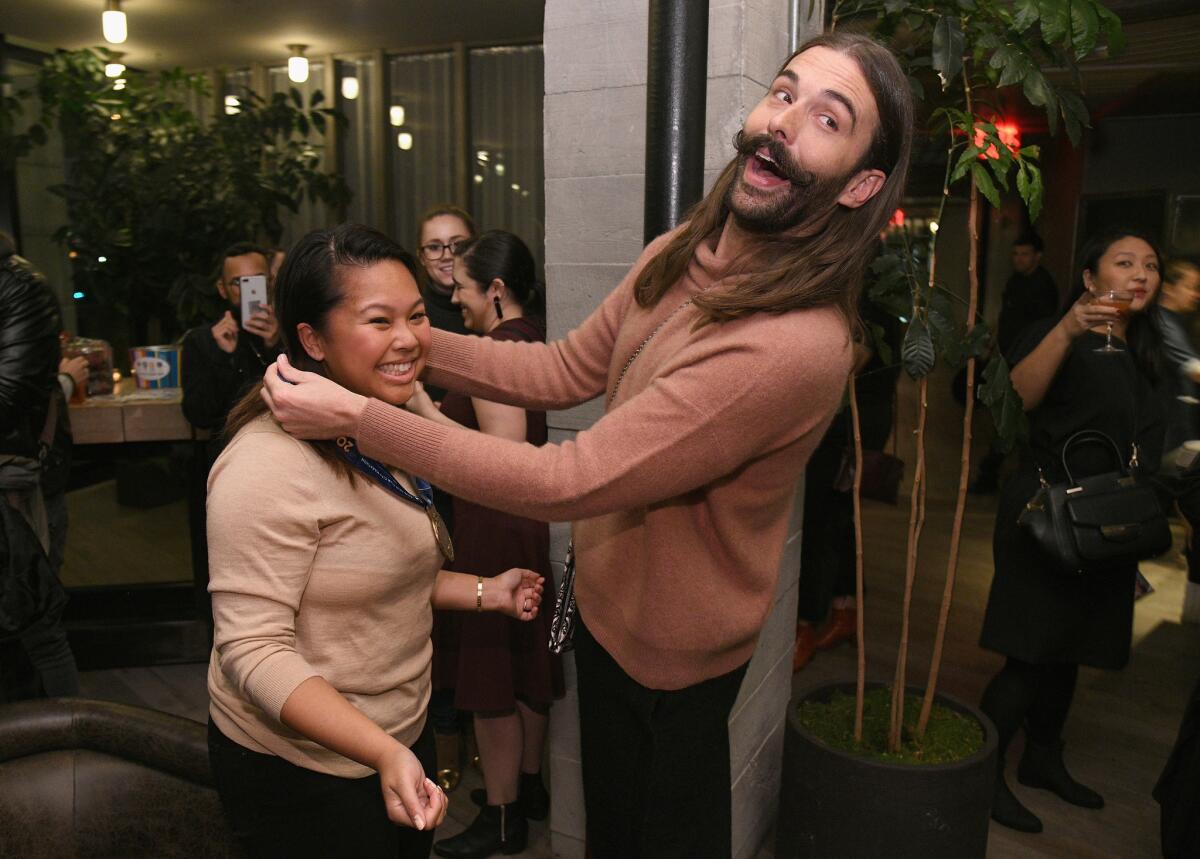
(1120, 732)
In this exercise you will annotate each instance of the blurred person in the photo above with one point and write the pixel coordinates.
(35, 446)
(1045, 623)
(499, 670)
(442, 231)
(319, 675)
(1180, 298)
(221, 361)
(722, 357)
(1029, 296)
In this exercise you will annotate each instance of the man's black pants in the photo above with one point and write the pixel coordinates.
(655, 763)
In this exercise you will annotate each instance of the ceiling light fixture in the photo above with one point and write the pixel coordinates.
(350, 88)
(396, 115)
(112, 21)
(119, 84)
(233, 105)
(404, 140)
(297, 64)
(114, 70)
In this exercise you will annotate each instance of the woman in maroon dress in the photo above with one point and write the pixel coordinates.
(502, 672)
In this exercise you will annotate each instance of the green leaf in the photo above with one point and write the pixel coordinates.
(317, 98)
(1075, 115)
(944, 327)
(949, 42)
(1004, 403)
(1055, 16)
(964, 162)
(894, 6)
(1014, 63)
(1026, 14)
(1085, 28)
(1114, 34)
(916, 352)
(297, 99)
(977, 340)
(1033, 199)
(1039, 93)
(879, 343)
(984, 183)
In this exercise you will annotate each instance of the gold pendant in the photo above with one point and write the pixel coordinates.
(440, 533)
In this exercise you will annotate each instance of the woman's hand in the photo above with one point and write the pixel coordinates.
(421, 404)
(1086, 314)
(310, 406)
(410, 798)
(518, 593)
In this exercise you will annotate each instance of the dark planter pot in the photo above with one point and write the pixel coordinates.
(834, 803)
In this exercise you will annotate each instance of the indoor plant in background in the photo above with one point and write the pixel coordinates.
(897, 770)
(153, 192)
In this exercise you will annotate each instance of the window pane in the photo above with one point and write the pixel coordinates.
(506, 143)
(356, 81)
(422, 145)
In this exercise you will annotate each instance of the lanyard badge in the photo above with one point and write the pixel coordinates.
(378, 472)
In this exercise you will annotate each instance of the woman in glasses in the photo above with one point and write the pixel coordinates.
(501, 672)
(443, 228)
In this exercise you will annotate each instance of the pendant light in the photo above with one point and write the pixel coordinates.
(297, 64)
(112, 21)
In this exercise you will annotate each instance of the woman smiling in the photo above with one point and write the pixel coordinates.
(323, 568)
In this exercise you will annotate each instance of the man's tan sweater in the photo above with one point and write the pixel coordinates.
(312, 576)
(680, 495)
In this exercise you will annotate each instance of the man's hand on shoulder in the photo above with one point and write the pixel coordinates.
(225, 333)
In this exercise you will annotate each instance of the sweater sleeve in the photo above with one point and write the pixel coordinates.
(539, 376)
(260, 555)
(741, 390)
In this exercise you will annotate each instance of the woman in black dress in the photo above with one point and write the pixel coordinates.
(501, 672)
(1046, 623)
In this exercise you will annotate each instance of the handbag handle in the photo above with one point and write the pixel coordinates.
(1090, 437)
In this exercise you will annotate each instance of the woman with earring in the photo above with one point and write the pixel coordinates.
(443, 228)
(502, 672)
(1094, 368)
(324, 565)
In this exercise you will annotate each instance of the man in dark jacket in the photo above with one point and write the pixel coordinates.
(224, 360)
(31, 404)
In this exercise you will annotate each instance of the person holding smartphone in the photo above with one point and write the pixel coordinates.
(222, 360)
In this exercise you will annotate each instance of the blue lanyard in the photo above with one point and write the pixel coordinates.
(376, 469)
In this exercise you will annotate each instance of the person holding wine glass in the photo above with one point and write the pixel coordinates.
(1094, 368)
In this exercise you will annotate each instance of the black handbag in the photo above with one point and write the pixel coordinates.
(1096, 523)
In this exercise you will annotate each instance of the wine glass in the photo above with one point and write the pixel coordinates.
(1120, 299)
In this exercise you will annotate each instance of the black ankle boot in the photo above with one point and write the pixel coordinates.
(1042, 766)
(497, 829)
(1008, 811)
(532, 796)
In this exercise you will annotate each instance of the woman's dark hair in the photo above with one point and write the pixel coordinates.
(307, 289)
(498, 254)
(1143, 334)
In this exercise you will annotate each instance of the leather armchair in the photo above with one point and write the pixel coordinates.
(93, 778)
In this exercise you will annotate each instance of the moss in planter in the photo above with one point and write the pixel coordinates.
(950, 735)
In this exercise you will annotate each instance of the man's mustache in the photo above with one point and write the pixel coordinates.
(785, 165)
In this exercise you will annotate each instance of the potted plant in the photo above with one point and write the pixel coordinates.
(897, 769)
(153, 192)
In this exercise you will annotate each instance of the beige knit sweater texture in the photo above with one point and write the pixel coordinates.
(313, 576)
(680, 495)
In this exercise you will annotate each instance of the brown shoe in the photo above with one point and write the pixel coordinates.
(449, 760)
(806, 646)
(842, 626)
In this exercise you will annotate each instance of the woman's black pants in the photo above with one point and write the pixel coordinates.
(656, 772)
(275, 808)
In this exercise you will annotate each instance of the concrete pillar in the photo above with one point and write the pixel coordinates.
(595, 113)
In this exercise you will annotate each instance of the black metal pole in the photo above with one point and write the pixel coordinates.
(676, 86)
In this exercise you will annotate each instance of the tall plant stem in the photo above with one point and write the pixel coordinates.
(916, 519)
(861, 688)
(964, 468)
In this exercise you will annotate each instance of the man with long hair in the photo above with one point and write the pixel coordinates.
(722, 356)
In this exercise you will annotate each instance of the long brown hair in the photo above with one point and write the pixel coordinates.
(821, 261)
(307, 289)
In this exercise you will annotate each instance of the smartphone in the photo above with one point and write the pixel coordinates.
(254, 295)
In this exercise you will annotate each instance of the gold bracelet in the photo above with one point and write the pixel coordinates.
(479, 593)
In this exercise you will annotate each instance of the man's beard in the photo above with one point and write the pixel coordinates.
(759, 210)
